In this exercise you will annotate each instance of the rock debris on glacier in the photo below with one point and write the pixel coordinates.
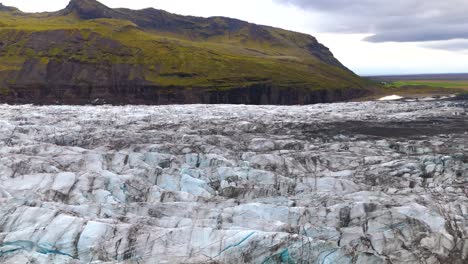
(374, 182)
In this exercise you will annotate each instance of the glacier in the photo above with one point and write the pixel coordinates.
(362, 182)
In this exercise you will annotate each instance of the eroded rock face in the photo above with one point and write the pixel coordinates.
(372, 182)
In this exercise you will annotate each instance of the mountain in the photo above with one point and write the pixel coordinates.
(89, 52)
(8, 8)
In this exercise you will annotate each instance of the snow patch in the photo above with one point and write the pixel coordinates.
(391, 98)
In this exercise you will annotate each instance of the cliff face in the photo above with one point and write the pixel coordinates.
(88, 52)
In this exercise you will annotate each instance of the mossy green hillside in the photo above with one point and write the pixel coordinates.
(208, 57)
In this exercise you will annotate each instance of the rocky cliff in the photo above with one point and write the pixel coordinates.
(88, 53)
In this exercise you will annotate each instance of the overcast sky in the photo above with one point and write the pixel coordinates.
(371, 37)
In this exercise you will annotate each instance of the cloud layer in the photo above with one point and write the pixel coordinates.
(397, 20)
(457, 45)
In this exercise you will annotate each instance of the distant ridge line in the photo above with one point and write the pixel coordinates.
(435, 76)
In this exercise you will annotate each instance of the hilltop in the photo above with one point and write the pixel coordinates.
(89, 52)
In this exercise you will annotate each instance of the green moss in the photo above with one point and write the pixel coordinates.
(455, 84)
(4, 91)
(86, 33)
(44, 60)
(173, 59)
(11, 63)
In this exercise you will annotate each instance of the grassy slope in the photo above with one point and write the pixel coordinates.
(172, 59)
(458, 84)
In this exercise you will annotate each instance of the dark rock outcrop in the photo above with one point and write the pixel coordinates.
(89, 9)
(8, 8)
(131, 92)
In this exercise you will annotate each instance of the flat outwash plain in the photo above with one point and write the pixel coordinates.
(368, 182)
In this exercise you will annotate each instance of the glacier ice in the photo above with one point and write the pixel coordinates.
(365, 182)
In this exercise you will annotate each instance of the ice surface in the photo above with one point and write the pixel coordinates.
(369, 182)
(391, 98)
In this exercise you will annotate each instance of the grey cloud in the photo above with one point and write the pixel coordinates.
(459, 45)
(420, 34)
(398, 20)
